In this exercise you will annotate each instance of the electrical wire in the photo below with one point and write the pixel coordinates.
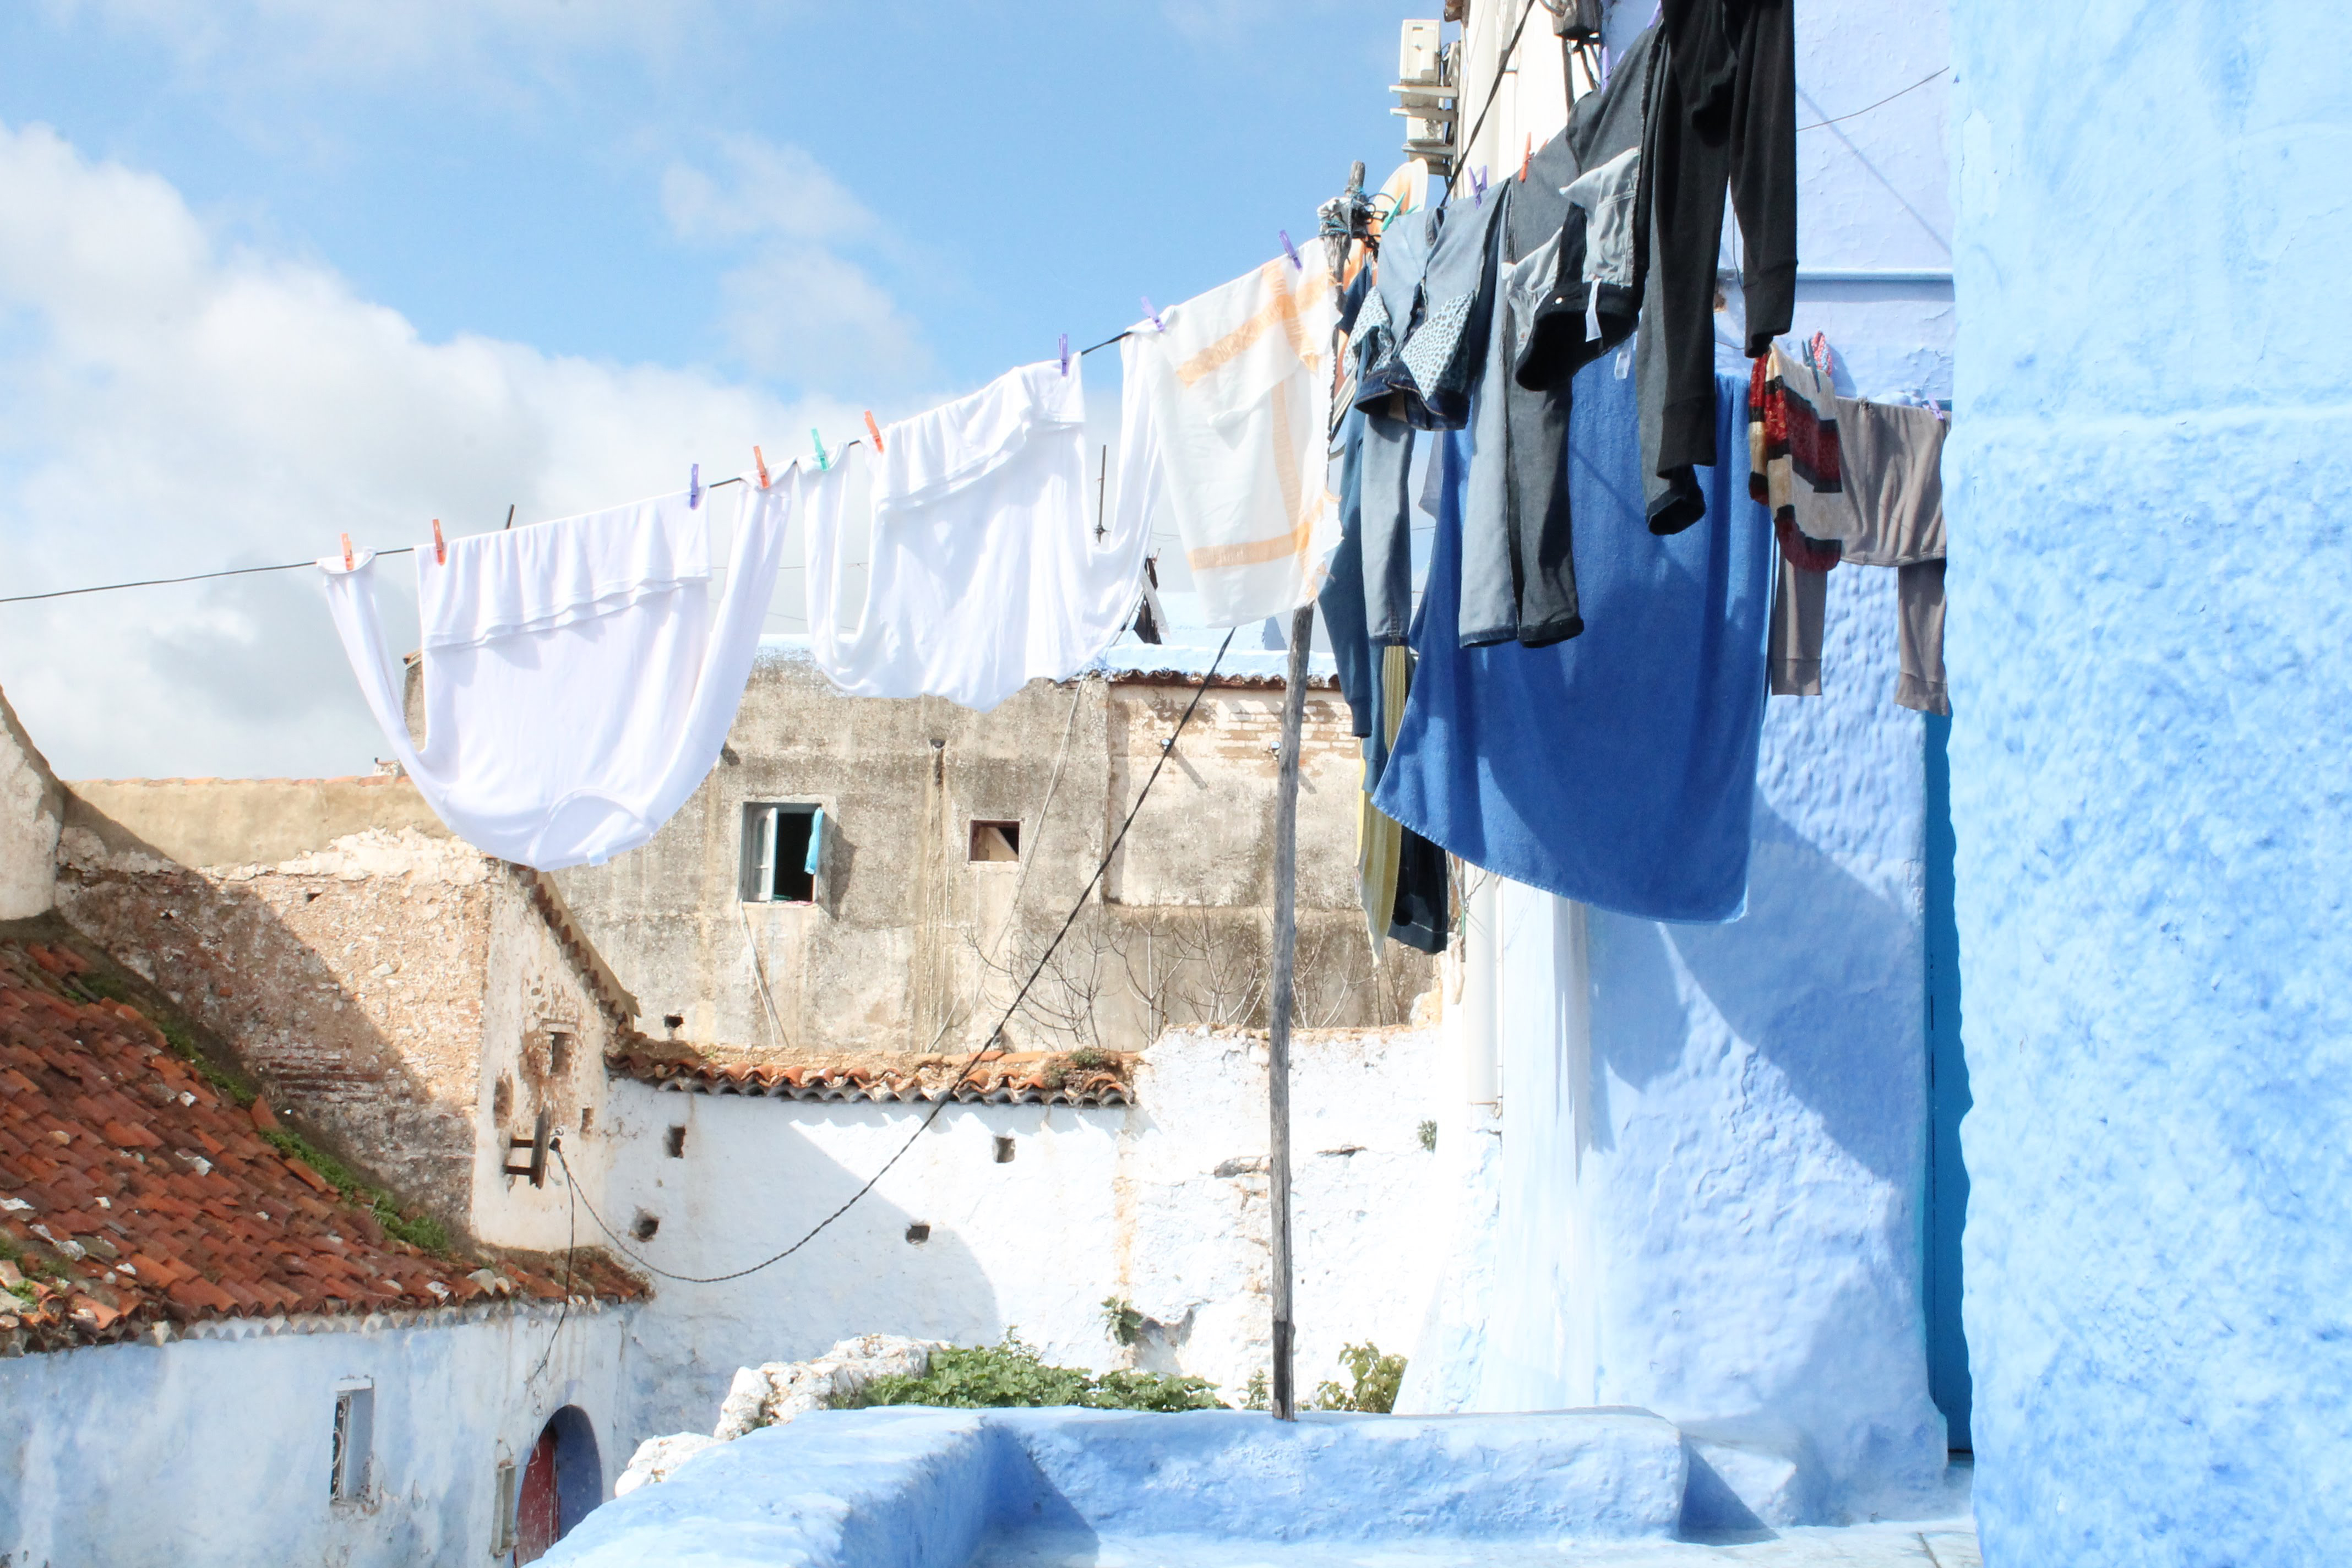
(987, 1043)
(1882, 103)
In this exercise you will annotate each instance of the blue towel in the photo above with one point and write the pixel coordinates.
(1618, 768)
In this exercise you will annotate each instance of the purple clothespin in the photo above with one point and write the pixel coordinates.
(1479, 187)
(1157, 324)
(693, 485)
(1065, 354)
(1291, 250)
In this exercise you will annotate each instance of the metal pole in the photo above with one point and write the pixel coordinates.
(1285, 947)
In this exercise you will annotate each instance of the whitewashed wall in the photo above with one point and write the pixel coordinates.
(215, 1449)
(1162, 1204)
(31, 808)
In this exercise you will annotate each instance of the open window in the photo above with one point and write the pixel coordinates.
(995, 840)
(354, 1442)
(783, 848)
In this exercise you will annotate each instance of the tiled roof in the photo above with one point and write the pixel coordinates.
(136, 1193)
(1029, 1078)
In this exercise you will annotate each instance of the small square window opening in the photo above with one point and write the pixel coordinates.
(1004, 1149)
(558, 1052)
(995, 840)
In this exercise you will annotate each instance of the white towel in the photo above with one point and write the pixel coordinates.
(579, 680)
(1225, 413)
(985, 571)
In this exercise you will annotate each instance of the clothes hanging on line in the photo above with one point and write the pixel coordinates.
(1519, 560)
(1384, 396)
(579, 677)
(1722, 100)
(984, 570)
(1792, 448)
(1226, 414)
(1618, 768)
(1888, 510)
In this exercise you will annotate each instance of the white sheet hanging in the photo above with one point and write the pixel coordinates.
(984, 570)
(1225, 413)
(578, 678)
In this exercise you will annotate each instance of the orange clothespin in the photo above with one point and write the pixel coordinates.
(873, 430)
(1527, 158)
(348, 565)
(440, 550)
(763, 466)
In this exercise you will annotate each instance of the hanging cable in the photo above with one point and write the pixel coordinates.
(987, 1043)
(1882, 103)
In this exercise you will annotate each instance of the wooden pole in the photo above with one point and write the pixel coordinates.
(1285, 947)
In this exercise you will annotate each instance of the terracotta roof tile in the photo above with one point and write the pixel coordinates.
(139, 1196)
(999, 1078)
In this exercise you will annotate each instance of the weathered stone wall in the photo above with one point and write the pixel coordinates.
(398, 993)
(910, 945)
(32, 807)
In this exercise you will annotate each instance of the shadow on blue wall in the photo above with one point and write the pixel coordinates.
(1948, 1099)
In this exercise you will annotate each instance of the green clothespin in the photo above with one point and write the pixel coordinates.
(823, 462)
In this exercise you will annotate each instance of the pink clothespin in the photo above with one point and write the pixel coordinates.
(1065, 354)
(1528, 158)
(1157, 324)
(440, 550)
(1291, 250)
(1823, 359)
(348, 565)
(763, 462)
(693, 491)
(873, 430)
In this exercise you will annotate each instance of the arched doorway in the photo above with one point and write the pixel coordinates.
(563, 1480)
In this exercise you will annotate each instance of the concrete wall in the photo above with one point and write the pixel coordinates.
(1162, 1204)
(32, 808)
(910, 946)
(2148, 598)
(218, 1448)
(381, 985)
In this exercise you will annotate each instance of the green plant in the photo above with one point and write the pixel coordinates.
(1012, 1373)
(421, 1231)
(1256, 1396)
(1121, 1321)
(1091, 1059)
(1428, 1131)
(1376, 1376)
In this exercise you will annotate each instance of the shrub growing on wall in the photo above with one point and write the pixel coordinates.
(1011, 1373)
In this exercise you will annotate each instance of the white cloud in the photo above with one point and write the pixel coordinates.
(166, 407)
(798, 306)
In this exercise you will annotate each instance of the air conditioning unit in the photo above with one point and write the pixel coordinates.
(1428, 94)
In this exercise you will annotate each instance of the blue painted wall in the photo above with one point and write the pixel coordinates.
(2150, 608)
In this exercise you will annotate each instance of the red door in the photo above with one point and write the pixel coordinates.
(537, 1523)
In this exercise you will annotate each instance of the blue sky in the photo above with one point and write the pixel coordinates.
(275, 270)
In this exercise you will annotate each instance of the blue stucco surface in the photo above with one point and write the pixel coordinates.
(2147, 645)
(924, 1489)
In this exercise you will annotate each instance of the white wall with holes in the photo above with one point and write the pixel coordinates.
(221, 1447)
(1029, 1218)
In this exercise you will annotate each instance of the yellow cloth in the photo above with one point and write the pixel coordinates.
(1379, 842)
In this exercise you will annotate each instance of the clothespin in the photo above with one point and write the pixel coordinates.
(348, 565)
(693, 490)
(1527, 158)
(823, 462)
(1479, 187)
(873, 430)
(1818, 351)
(1065, 354)
(440, 550)
(1157, 324)
(763, 466)
(1291, 250)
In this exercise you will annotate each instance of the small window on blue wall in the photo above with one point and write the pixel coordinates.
(781, 843)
